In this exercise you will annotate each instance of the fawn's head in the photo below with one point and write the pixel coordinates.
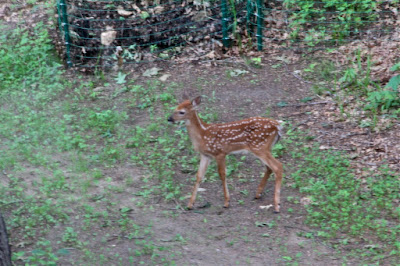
(184, 110)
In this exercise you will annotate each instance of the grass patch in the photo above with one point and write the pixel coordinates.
(344, 205)
(56, 146)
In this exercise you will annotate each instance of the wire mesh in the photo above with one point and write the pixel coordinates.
(103, 32)
(308, 25)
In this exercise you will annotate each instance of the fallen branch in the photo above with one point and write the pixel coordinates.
(179, 205)
(353, 134)
(294, 114)
(306, 104)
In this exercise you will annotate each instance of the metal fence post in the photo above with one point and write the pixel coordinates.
(65, 27)
(260, 22)
(225, 28)
(249, 11)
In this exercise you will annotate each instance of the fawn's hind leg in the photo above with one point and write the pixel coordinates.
(276, 167)
(263, 182)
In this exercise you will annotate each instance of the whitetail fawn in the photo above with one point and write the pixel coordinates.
(256, 135)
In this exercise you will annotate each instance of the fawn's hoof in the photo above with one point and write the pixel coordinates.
(206, 205)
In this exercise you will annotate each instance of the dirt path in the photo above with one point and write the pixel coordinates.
(246, 233)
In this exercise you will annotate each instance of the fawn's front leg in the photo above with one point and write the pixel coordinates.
(221, 171)
(204, 162)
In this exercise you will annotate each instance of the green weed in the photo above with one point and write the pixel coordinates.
(342, 18)
(42, 255)
(343, 203)
(45, 126)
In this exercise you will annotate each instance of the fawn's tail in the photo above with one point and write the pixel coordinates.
(280, 133)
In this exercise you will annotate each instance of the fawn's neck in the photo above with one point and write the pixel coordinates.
(196, 129)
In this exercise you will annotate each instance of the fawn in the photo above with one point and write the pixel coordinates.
(256, 135)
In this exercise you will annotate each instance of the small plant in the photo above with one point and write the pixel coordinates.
(153, 48)
(121, 78)
(70, 236)
(42, 255)
(144, 15)
(358, 77)
(278, 150)
(340, 202)
(387, 98)
(244, 192)
(342, 17)
(105, 121)
(256, 62)
(383, 100)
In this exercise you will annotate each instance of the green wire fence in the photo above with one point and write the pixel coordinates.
(309, 25)
(103, 32)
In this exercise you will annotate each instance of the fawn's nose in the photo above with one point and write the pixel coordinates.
(170, 119)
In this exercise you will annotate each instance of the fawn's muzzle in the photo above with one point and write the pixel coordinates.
(171, 119)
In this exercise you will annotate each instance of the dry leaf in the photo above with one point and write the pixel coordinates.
(305, 201)
(164, 77)
(323, 147)
(237, 72)
(211, 55)
(108, 36)
(121, 11)
(158, 9)
(151, 72)
(136, 8)
(267, 207)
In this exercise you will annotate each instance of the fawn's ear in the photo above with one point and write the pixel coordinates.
(196, 101)
(185, 96)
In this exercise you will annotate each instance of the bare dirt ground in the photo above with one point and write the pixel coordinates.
(244, 233)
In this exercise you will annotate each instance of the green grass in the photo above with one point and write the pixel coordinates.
(54, 144)
(347, 16)
(356, 83)
(344, 205)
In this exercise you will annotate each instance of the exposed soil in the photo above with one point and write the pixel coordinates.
(245, 233)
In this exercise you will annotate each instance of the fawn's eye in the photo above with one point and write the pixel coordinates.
(181, 112)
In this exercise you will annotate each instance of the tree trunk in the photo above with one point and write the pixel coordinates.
(5, 253)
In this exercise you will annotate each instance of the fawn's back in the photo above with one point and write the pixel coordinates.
(240, 136)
